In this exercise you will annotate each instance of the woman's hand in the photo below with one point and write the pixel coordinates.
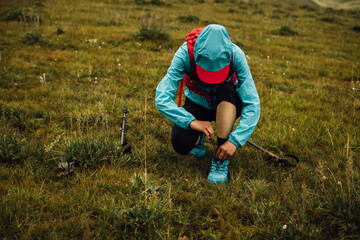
(204, 127)
(226, 151)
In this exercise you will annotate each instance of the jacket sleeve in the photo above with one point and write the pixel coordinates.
(250, 99)
(165, 91)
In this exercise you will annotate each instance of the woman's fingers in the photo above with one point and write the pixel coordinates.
(209, 132)
(221, 154)
(203, 126)
(225, 151)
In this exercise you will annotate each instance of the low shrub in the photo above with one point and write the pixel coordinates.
(33, 38)
(108, 23)
(330, 19)
(157, 2)
(151, 33)
(277, 5)
(308, 8)
(60, 31)
(356, 28)
(11, 112)
(12, 149)
(13, 14)
(285, 30)
(139, 2)
(88, 152)
(39, 3)
(259, 11)
(18, 14)
(140, 221)
(231, 10)
(153, 2)
(189, 18)
(243, 5)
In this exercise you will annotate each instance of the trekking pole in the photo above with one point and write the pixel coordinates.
(280, 161)
(127, 147)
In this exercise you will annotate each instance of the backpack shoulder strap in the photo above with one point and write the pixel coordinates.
(190, 40)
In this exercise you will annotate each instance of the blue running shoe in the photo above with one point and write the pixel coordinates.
(199, 150)
(218, 171)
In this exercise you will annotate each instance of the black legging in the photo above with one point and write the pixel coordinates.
(183, 140)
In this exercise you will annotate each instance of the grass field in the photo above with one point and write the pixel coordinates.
(68, 68)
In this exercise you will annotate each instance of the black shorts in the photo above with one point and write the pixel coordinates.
(184, 140)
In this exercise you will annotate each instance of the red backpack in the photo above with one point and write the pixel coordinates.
(191, 80)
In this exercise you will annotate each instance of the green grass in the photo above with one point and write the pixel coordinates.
(62, 95)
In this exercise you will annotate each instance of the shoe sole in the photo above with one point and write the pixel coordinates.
(218, 181)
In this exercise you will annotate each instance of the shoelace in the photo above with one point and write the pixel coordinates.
(201, 144)
(218, 166)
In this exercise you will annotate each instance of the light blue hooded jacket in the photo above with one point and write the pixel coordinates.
(245, 88)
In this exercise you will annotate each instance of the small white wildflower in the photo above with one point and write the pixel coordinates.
(272, 72)
(99, 46)
(268, 58)
(293, 129)
(268, 40)
(145, 63)
(285, 227)
(126, 71)
(95, 82)
(15, 84)
(102, 43)
(55, 59)
(53, 143)
(43, 79)
(92, 41)
(324, 177)
(95, 78)
(284, 74)
(118, 60)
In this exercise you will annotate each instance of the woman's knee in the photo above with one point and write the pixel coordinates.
(183, 140)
